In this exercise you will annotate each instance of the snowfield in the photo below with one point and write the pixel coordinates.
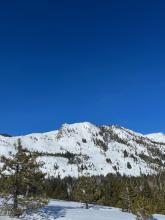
(99, 149)
(158, 137)
(62, 210)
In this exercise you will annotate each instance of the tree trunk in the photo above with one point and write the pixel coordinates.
(15, 205)
(86, 205)
(16, 193)
(27, 190)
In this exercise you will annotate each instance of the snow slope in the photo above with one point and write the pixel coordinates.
(158, 137)
(62, 210)
(87, 149)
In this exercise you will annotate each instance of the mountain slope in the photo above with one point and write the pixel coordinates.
(86, 149)
(158, 137)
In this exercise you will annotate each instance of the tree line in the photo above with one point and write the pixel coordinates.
(142, 196)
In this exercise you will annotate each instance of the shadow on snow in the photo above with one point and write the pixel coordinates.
(47, 212)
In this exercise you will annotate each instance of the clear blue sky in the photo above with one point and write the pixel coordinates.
(69, 61)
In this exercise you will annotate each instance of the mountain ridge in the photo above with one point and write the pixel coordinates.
(86, 149)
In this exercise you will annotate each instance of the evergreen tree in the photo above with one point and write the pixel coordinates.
(85, 190)
(127, 196)
(143, 208)
(24, 181)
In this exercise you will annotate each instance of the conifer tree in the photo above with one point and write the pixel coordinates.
(143, 208)
(85, 190)
(23, 181)
(127, 197)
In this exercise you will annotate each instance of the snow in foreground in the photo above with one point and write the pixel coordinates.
(61, 210)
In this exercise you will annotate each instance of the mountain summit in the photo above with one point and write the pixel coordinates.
(87, 149)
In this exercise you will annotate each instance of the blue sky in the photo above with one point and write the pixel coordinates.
(71, 61)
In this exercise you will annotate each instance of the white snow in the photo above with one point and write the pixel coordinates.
(158, 137)
(62, 210)
(84, 140)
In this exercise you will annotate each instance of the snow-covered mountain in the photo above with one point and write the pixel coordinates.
(158, 137)
(84, 148)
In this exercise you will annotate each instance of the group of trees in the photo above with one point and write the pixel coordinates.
(24, 187)
(143, 196)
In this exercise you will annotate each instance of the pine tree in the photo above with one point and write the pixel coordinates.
(85, 190)
(143, 208)
(24, 181)
(127, 197)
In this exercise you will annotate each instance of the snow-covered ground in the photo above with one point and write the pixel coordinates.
(62, 210)
(99, 150)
